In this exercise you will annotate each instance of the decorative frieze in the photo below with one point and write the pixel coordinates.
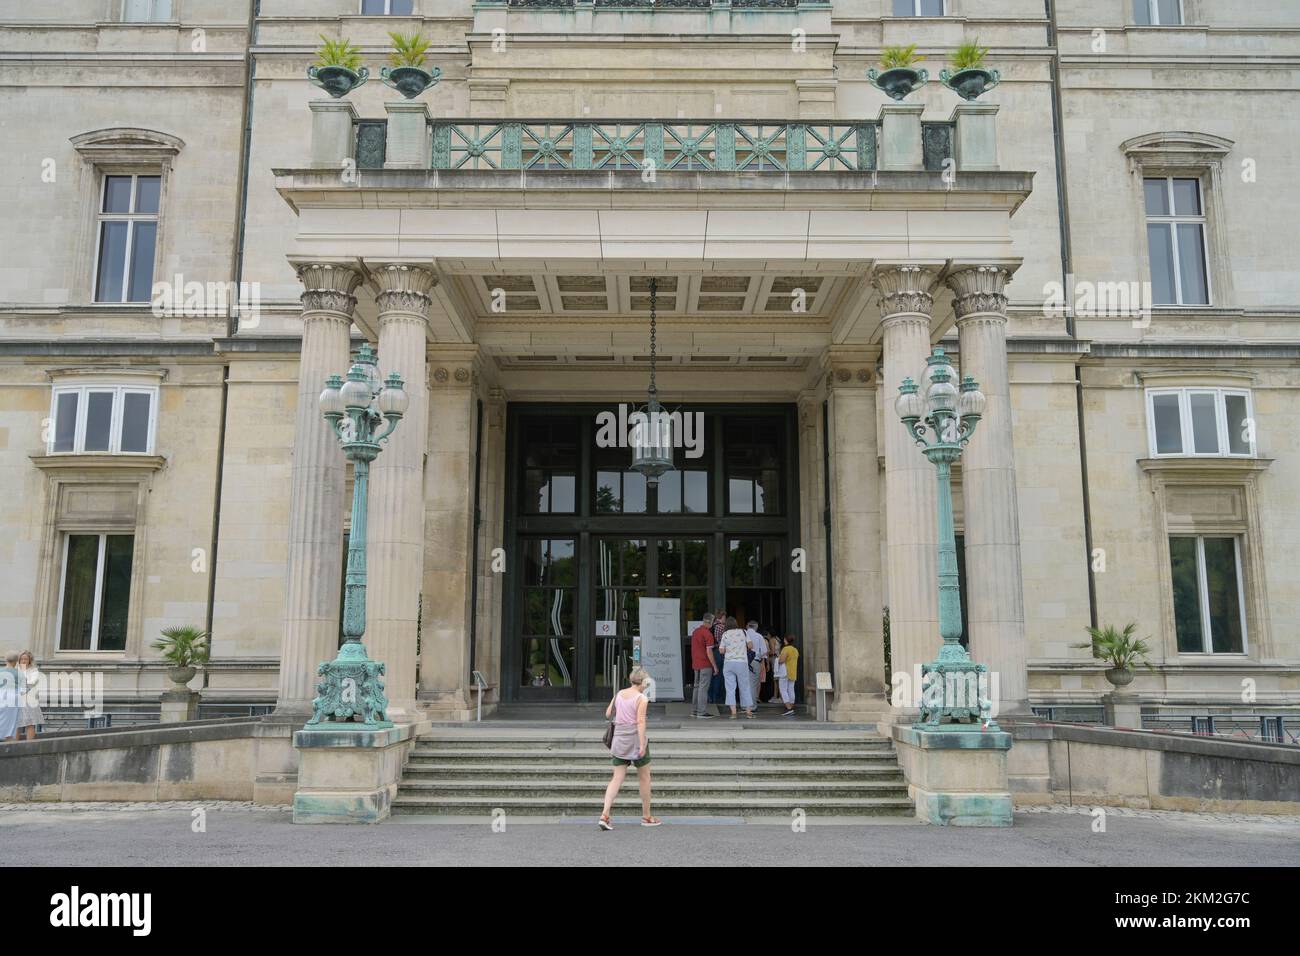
(905, 290)
(979, 291)
(329, 287)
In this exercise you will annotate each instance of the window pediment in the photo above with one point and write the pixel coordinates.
(1175, 149)
(128, 146)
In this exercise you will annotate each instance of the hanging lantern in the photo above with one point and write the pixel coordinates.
(652, 432)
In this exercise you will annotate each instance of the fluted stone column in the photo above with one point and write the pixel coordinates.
(315, 554)
(449, 531)
(491, 593)
(994, 586)
(395, 536)
(856, 588)
(906, 305)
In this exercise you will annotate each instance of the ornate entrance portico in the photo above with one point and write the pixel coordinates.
(492, 288)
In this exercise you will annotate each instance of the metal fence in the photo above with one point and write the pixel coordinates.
(1268, 728)
(75, 718)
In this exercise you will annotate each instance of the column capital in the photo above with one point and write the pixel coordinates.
(979, 291)
(906, 289)
(403, 289)
(328, 287)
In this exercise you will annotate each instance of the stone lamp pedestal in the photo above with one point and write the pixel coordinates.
(956, 777)
(349, 776)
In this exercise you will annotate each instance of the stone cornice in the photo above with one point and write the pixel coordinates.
(1205, 468)
(96, 465)
(1000, 190)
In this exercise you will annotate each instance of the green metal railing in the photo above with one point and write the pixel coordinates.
(760, 146)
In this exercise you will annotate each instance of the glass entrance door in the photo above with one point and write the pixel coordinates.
(626, 570)
(587, 540)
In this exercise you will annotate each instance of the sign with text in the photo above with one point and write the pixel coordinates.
(661, 645)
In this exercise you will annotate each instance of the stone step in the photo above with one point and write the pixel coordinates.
(658, 749)
(665, 770)
(741, 791)
(600, 759)
(629, 804)
(741, 742)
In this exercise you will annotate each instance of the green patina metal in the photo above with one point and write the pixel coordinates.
(350, 692)
(953, 687)
(372, 145)
(722, 145)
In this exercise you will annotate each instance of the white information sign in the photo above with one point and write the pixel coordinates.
(606, 628)
(661, 645)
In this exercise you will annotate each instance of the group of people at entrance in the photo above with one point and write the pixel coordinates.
(732, 662)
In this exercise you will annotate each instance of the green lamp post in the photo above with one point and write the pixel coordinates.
(350, 693)
(942, 423)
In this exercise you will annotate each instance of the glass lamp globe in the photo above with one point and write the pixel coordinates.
(393, 400)
(331, 402)
(972, 400)
(356, 391)
(941, 396)
(909, 404)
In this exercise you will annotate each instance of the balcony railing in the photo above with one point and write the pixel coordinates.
(759, 146)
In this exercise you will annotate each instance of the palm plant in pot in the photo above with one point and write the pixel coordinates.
(183, 648)
(1120, 649)
(898, 75)
(338, 70)
(968, 78)
(407, 74)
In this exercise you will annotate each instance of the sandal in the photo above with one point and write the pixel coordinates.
(651, 822)
(604, 823)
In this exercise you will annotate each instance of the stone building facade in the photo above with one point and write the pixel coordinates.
(1098, 240)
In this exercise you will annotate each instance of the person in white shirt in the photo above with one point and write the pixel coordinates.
(759, 663)
(735, 668)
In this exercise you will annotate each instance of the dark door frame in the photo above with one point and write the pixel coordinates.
(583, 526)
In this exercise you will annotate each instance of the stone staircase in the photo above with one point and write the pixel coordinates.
(713, 771)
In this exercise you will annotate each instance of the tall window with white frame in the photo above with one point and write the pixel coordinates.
(1201, 422)
(95, 591)
(919, 8)
(390, 8)
(1176, 241)
(1209, 603)
(146, 11)
(1158, 13)
(113, 419)
(128, 238)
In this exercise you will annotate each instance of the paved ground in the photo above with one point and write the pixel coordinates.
(162, 834)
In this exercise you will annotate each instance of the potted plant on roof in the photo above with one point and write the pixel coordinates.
(968, 78)
(338, 70)
(407, 74)
(183, 648)
(898, 75)
(1121, 650)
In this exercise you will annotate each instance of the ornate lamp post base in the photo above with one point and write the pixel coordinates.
(350, 694)
(954, 693)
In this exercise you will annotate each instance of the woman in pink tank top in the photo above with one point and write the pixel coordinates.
(630, 746)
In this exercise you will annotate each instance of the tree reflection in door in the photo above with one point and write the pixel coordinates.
(620, 585)
(550, 588)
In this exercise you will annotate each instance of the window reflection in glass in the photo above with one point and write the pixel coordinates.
(753, 454)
